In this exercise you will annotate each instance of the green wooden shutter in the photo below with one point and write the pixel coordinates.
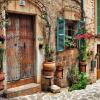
(81, 30)
(98, 16)
(80, 26)
(60, 34)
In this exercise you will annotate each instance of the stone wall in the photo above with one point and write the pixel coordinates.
(89, 8)
(71, 10)
(67, 59)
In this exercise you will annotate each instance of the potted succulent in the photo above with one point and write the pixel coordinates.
(49, 63)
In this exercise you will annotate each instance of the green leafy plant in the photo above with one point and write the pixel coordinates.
(83, 53)
(1, 53)
(49, 52)
(77, 80)
(69, 42)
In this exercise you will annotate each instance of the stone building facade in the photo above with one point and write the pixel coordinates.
(33, 9)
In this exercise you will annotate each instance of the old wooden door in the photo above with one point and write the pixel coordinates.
(20, 47)
(98, 62)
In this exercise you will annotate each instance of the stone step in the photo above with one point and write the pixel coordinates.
(23, 90)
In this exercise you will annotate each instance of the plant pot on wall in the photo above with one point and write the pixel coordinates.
(82, 66)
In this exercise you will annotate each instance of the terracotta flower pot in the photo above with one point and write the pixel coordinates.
(1, 87)
(82, 66)
(59, 67)
(48, 68)
(59, 71)
(1, 46)
(82, 62)
(59, 74)
(2, 76)
(83, 69)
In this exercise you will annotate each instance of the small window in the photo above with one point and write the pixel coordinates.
(71, 27)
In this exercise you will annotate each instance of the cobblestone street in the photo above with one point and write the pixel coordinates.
(92, 92)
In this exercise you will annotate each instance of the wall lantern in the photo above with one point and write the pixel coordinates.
(22, 2)
(93, 65)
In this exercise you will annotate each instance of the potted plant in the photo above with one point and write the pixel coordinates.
(49, 63)
(69, 42)
(59, 70)
(82, 59)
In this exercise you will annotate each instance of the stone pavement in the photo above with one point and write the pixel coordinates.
(92, 92)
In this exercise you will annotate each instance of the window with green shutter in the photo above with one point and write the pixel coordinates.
(98, 16)
(81, 30)
(60, 34)
(81, 25)
(70, 31)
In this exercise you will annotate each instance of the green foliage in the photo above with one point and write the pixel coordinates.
(49, 53)
(83, 53)
(1, 53)
(77, 80)
(69, 42)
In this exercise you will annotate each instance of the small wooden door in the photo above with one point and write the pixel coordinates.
(20, 47)
(98, 62)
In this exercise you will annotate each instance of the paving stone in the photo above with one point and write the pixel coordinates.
(55, 89)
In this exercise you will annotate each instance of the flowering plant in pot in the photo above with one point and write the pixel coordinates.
(49, 63)
(83, 58)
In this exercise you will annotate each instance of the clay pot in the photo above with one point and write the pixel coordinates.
(83, 63)
(59, 71)
(1, 86)
(48, 68)
(82, 66)
(2, 76)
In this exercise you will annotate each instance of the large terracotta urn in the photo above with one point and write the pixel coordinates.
(49, 68)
